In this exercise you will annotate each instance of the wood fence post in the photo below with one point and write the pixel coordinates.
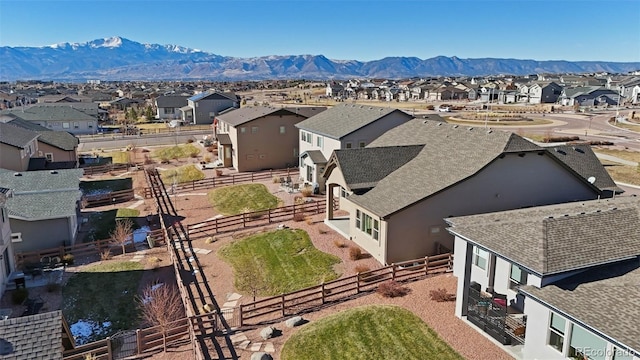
(233, 179)
(241, 316)
(244, 221)
(294, 209)
(193, 184)
(216, 223)
(322, 292)
(426, 265)
(269, 215)
(357, 283)
(251, 177)
(109, 353)
(138, 342)
(283, 310)
(317, 207)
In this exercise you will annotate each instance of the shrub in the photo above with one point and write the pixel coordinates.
(19, 296)
(308, 220)
(362, 268)
(189, 141)
(275, 180)
(392, 289)
(299, 217)
(68, 259)
(105, 254)
(207, 158)
(339, 243)
(355, 253)
(306, 191)
(440, 295)
(193, 155)
(218, 172)
(209, 240)
(322, 231)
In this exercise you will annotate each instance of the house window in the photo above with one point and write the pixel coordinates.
(65, 125)
(16, 237)
(295, 152)
(586, 345)
(212, 114)
(254, 129)
(366, 223)
(319, 141)
(2, 214)
(243, 130)
(343, 192)
(358, 221)
(310, 173)
(376, 229)
(347, 145)
(361, 144)
(517, 277)
(480, 258)
(76, 124)
(169, 110)
(49, 156)
(306, 137)
(283, 129)
(556, 331)
(620, 354)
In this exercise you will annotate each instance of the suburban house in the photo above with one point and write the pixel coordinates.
(261, 137)
(37, 336)
(589, 96)
(168, 107)
(553, 282)
(202, 108)
(7, 264)
(398, 190)
(61, 118)
(17, 147)
(343, 126)
(44, 207)
(544, 93)
(56, 149)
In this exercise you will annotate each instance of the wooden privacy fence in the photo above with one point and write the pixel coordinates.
(341, 289)
(100, 350)
(78, 250)
(255, 218)
(226, 180)
(154, 338)
(112, 197)
(101, 169)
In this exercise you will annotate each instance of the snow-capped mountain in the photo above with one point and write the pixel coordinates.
(117, 58)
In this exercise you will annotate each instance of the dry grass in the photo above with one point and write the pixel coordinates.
(624, 173)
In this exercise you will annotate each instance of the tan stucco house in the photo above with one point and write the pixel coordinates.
(344, 126)
(399, 188)
(261, 137)
(17, 147)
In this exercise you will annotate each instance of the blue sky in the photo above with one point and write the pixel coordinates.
(342, 29)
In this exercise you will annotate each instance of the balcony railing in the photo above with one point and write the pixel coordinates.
(489, 314)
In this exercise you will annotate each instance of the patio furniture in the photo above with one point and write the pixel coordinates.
(33, 305)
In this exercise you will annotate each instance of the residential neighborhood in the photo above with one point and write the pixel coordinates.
(498, 210)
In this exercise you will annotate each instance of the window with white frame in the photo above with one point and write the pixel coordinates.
(254, 129)
(343, 192)
(586, 345)
(348, 145)
(358, 221)
(65, 125)
(243, 130)
(361, 144)
(306, 137)
(319, 141)
(480, 258)
(48, 156)
(283, 129)
(557, 326)
(16, 237)
(367, 224)
(517, 277)
(169, 110)
(376, 229)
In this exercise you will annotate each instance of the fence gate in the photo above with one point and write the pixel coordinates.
(228, 318)
(124, 344)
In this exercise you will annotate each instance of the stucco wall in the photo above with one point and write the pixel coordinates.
(11, 159)
(58, 154)
(508, 183)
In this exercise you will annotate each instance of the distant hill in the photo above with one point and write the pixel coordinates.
(117, 58)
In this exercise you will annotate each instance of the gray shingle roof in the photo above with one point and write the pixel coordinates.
(380, 162)
(47, 205)
(451, 154)
(40, 181)
(16, 136)
(32, 337)
(606, 299)
(224, 139)
(60, 139)
(89, 108)
(344, 119)
(49, 113)
(244, 115)
(583, 161)
(558, 238)
(214, 95)
(316, 156)
(174, 101)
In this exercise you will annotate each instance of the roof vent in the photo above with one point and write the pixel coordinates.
(17, 174)
(455, 126)
(549, 217)
(582, 213)
(566, 215)
(470, 129)
(614, 208)
(598, 210)
(425, 122)
(439, 123)
(53, 172)
(578, 150)
(561, 152)
(489, 131)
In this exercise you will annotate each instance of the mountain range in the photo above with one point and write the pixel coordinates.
(117, 58)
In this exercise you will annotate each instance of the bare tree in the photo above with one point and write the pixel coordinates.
(122, 233)
(160, 305)
(250, 277)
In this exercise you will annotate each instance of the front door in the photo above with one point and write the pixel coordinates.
(228, 162)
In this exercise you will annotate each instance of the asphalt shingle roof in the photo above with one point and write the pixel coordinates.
(15, 136)
(41, 181)
(48, 113)
(380, 162)
(214, 95)
(344, 119)
(59, 204)
(316, 156)
(173, 101)
(60, 139)
(224, 139)
(451, 153)
(584, 161)
(605, 298)
(558, 238)
(32, 337)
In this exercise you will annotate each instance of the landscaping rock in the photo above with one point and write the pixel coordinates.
(294, 321)
(267, 333)
(261, 356)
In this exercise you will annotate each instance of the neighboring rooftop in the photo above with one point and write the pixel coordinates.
(41, 336)
(60, 139)
(41, 181)
(41, 112)
(604, 298)
(45, 205)
(249, 113)
(16, 136)
(584, 161)
(342, 120)
(171, 101)
(558, 238)
(214, 95)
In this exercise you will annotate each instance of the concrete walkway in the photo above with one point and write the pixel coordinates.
(616, 159)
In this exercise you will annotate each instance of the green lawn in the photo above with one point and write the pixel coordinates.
(286, 259)
(232, 200)
(184, 173)
(370, 332)
(103, 294)
(176, 152)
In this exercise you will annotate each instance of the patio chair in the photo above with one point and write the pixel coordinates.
(33, 305)
(281, 179)
(289, 180)
(296, 187)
